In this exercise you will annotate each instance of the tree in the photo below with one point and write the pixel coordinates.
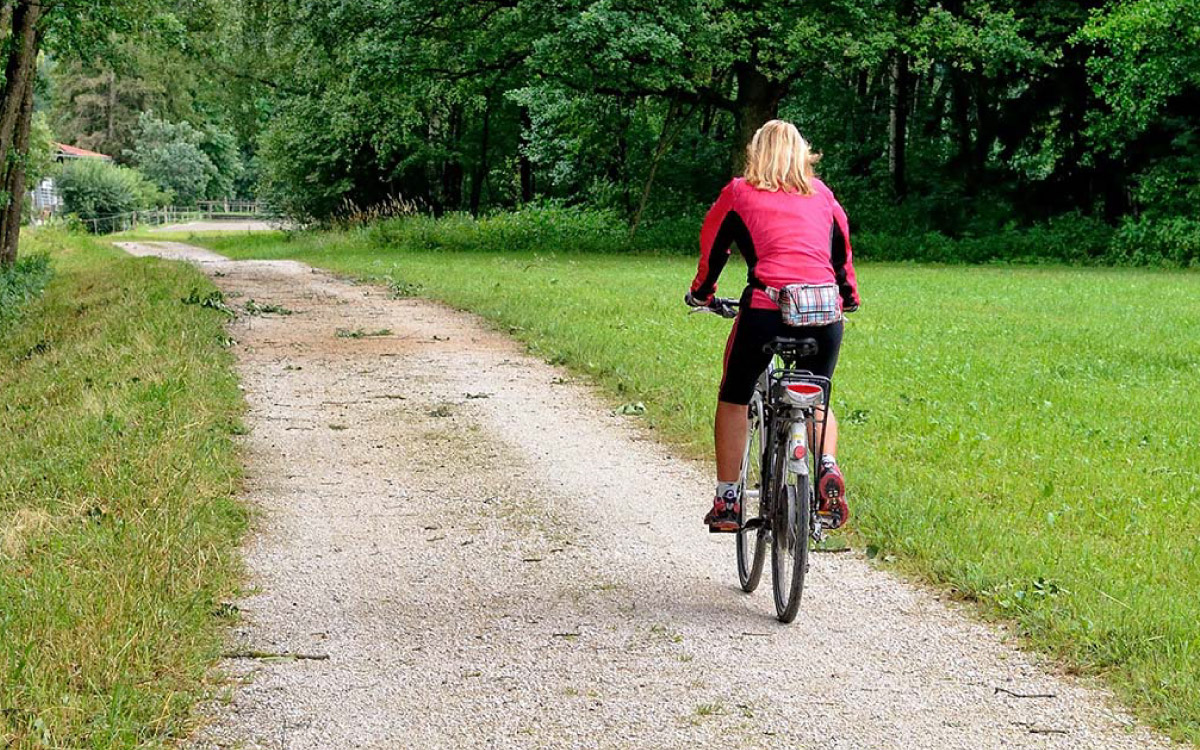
(23, 39)
(1147, 72)
(30, 27)
(176, 157)
(960, 116)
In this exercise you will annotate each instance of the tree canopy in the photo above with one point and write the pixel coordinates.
(962, 117)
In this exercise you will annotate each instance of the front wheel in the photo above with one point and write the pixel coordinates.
(789, 558)
(753, 530)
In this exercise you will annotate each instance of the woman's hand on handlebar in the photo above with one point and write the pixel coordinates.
(726, 308)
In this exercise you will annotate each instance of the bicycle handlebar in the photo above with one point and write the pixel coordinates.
(726, 308)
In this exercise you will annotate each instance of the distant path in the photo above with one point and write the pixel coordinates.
(490, 559)
(223, 225)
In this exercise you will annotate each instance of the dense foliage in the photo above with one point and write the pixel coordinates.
(961, 117)
(943, 123)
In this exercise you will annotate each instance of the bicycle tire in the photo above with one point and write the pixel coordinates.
(751, 543)
(789, 543)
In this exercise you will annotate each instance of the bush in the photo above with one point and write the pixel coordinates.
(99, 193)
(21, 282)
(1173, 241)
(1071, 238)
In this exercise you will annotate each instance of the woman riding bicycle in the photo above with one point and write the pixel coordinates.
(791, 230)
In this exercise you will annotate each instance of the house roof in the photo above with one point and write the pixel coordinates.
(80, 153)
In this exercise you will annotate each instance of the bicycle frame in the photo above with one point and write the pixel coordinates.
(787, 415)
(792, 426)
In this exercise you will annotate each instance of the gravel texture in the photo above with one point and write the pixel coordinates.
(489, 558)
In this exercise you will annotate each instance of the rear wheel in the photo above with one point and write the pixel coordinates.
(751, 540)
(789, 548)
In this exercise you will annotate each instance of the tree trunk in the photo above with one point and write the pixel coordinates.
(20, 67)
(961, 97)
(757, 102)
(665, 138)
(933, 128)
(110, 126)
(481, 169)
(16, 113)
(985, 126)
(901, 85)
(452, 169)
(525, 167)
(14, 182)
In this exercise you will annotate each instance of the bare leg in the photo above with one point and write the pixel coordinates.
(831, 434)
(729, 433)
(730, 437)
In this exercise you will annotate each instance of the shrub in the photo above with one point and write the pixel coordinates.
(1171, 241)
(100, 192)
(21, 282)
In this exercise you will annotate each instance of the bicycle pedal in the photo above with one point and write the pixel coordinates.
(830, 521)
(717, 529)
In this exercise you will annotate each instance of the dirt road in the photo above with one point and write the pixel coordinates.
(480, 555)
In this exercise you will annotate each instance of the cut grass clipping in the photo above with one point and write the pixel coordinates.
(117, 527)
(1022, 435)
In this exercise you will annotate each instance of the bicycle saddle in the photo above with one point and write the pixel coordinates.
(791, 348)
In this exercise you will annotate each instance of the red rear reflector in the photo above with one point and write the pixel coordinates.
(798, 452)
(805, 389)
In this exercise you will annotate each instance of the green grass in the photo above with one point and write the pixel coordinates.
(118, 528)
(1023, 436)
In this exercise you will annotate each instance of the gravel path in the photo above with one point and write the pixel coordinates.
(488, 558)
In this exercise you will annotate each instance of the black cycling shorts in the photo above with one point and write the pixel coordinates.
(745, 359)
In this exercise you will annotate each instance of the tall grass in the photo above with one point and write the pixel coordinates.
(118, 526)
(1021, 436)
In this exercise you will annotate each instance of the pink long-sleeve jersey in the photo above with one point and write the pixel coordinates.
(786, 238)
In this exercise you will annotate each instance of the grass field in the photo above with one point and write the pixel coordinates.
(1021, 435)
(118, 530)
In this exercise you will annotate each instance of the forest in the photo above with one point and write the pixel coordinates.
(951, 130)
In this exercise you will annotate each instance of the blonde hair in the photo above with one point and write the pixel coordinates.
(778, 158)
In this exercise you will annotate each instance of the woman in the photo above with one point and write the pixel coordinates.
(791, 230)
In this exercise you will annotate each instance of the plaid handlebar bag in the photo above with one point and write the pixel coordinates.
(808, 304)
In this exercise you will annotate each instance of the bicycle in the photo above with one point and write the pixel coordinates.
(779, 470)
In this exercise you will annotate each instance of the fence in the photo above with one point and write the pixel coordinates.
(134, 219)
(230, 209)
